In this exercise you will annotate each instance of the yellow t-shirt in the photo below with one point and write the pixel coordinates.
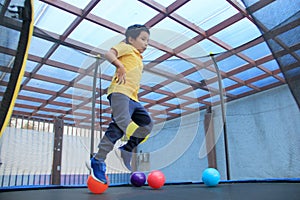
(132, 61)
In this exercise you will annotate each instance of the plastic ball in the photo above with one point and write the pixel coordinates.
(138, 179)
(211, 177)
(95, 186)
(156, 179)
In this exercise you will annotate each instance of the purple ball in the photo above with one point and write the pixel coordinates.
(138, 179)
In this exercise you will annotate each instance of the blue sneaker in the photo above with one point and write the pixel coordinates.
(98, 169)
(125, 158)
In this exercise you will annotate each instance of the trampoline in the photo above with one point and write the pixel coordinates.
(226, 191)
(235, 109)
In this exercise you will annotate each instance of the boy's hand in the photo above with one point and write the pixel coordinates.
(111, 56)
(121, 75)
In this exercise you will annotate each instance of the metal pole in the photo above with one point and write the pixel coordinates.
(57, 151)
(210, 138)
(93, 106)
(100, 95)
(223, 116)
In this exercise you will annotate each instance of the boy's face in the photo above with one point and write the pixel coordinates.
(141, 42)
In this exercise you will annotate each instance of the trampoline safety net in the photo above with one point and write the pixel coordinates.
(279, 23)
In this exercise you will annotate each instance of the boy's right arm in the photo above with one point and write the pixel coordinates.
(111, 56)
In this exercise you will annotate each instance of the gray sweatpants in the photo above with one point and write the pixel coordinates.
(124, 110)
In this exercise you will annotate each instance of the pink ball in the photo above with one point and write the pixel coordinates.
(156, 179)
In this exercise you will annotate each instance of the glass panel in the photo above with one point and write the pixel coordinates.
(44, 85)
(265, 82)
(206, 14)
(97, 36)
(257, 51)
(250, 73)
(230, 63)
(174, 65)
(39, 47)
(239, 33)
(51, 20)
(228, 82)
(150, 78)
(69, 56)
(9, 37)
(35, 94)
(170, 33)
(210, 47)
(154, 96)
(30, 65)
(57, 107)
(78, 3)
(129, 10)
(165, 3)
(271, 65)
(177, 86)
(240, 90)
(62, 74)
(31, 103)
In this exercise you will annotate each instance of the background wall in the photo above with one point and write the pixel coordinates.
(264, 136)
(263, 141)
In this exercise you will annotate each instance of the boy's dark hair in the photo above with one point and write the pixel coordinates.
(134, 31)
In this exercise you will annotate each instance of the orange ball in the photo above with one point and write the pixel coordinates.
(95, 186)
(156, 179)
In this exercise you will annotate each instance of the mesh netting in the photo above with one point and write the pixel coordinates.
(279, 24)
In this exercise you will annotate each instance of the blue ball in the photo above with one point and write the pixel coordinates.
(211, 177)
